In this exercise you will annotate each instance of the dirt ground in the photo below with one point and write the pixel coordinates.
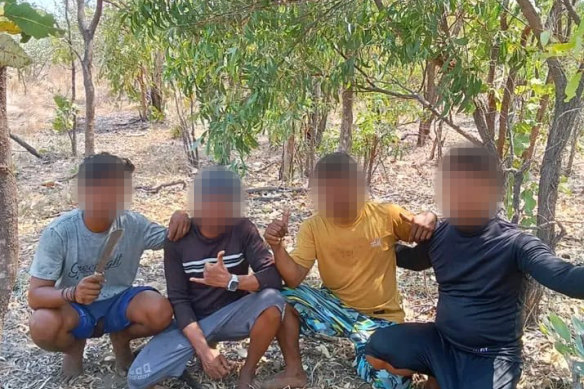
(45, 191)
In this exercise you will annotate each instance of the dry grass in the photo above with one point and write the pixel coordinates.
(159, 158)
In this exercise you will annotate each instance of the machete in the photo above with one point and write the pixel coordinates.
(111, 242)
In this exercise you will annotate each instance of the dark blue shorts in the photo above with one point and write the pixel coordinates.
(106, 316)
(420, 347)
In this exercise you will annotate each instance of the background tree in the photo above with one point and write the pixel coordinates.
(15, 18)
(88, 33)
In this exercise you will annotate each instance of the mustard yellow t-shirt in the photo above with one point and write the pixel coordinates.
(357, 262)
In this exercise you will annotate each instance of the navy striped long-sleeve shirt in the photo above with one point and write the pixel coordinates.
(244, 248)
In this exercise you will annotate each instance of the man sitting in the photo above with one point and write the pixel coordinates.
(480, 263)
(212, 293)
(70, 301)
(353, 241)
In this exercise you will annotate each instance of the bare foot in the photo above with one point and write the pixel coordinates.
(246, 379)
(123, 353)
(285, 379)
(73, 361)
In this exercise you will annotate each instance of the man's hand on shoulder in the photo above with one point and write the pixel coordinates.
(423, 225)
(179, 225)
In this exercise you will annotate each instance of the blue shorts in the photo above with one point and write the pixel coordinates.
(105, 316)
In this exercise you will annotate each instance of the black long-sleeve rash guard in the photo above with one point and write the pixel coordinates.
(481, 278)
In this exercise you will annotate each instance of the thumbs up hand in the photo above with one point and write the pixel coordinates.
(423, 225)
(215, 274)
(277, 230)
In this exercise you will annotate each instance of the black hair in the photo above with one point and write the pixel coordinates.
(219, 181)
(336, 165)
(104, 166)
(471, 158)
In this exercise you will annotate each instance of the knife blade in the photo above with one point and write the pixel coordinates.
(111, 242)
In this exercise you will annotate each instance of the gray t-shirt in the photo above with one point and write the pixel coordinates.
(68, 251)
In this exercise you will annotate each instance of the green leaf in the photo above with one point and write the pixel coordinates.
(529, 201)
(31, 21)
(544, 37)
(561, 48)
(560, 327)
(572, 86)
(580, 346)
(11, 54)
(578, 325)
(563, 349)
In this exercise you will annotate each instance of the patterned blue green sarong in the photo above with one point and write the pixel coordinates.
(322, 312)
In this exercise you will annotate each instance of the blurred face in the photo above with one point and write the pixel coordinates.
(218, 213)
(339, 198)
(104, 198)
(216, 204)
(467, 198)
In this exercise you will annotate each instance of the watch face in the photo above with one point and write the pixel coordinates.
(233, 284)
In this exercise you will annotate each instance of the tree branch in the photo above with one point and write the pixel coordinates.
(96, 17)
(572, 12)
(534, 21)
(379, 5)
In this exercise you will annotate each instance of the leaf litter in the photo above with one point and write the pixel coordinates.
(45, 191)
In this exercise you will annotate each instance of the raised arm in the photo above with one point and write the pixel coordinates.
(260, 259)
(536, 259)
(293, 272)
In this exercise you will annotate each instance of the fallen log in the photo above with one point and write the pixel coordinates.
(28, 147)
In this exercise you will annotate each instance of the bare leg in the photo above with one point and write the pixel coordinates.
(379, 364)
(50, 329)
(293, 375)
(262, 333)
(150, 314)
(431, 383)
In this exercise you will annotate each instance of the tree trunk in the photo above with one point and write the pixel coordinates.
(73, 136)
(287, 167)
(431, 96)
(565, 118)
(346, 136)
(87, 65)
(573, 147)
(88, 32)
(156, 96)
(8, 209)
(73, 131)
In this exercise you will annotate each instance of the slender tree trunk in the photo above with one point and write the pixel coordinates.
(565, 118)
(287, 167)
(431, 96)
(88, 32)
(156, 95)
(73, 97)
(89, 106)
(8, 209)
(346, 136)
(574, 146)
(73, 131)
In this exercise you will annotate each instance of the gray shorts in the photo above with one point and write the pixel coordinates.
(168, 353)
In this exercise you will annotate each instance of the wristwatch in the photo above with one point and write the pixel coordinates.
(233, 283)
